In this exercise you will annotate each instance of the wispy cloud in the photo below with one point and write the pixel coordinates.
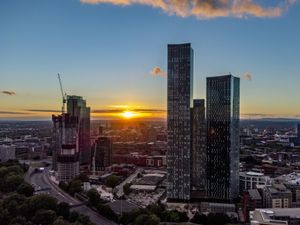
(248, 76)
(206, 9)
(13, 113)
(43, 110)
(10, 93)
(158, 72)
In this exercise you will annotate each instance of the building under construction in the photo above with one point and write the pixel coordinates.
(66, 151)
(71, 135)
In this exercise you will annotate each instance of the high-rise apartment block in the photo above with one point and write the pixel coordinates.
(198, 155)
(180, 97)
(223, 145)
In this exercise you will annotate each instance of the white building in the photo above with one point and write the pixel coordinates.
(249, 180)
(7, 152)
(290, 216)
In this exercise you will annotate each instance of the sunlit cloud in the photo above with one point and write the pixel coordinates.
(248, 76)
(129, 112)
(158, 72)
(10, 93)
(206, 9)
(99, 111)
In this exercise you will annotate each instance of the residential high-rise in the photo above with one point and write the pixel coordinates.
(66, 152)
(102, 151)
(180, 97)
(76, 106)
(198, 155)
(223, 145)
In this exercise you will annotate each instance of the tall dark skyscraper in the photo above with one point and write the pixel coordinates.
(223, 146)
(180, 97)
(76, 106)
(198, 155)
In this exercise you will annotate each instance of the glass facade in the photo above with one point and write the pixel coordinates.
(223, 145)
(76, 106)
(198, 158)
(180, 89)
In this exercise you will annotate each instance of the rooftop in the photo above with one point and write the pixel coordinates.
(268, 216)
(254, 194)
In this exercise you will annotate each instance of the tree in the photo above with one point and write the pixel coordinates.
(25, 189)
(183, 217)
(107, 212)
(4, 216)
(73, 216)
(63, 186)
(94, 197)
(44, 217)
(3, 172)
(16, 169)
(145, 219)
(63, 209)
(59, 221)
(75, 187)
(42, 201)
(83, 219)
(199, 219)
(156, 209)
(112, 181)
(217, 219)
(11, 182)
(170, 216)
(82, 177)
(19, 220)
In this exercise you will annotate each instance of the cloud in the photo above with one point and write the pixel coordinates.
(206, 9)
(158, 72)
(11, 93)
(43, 110)
(248, 76)
(13, 113)
(104, 111)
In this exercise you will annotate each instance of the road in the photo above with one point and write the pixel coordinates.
(129, 179)
(42, 180)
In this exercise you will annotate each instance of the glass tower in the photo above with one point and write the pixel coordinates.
(198, 154)
(223, 145)
(76, 106)
(180, 89)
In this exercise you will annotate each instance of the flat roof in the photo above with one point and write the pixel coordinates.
(254, 194)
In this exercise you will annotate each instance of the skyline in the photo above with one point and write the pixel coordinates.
(89, 45)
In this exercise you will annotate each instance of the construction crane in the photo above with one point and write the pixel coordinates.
(64, 95)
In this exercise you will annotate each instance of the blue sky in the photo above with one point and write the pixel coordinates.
(105, 53)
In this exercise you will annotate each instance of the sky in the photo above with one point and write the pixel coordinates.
(114, 54)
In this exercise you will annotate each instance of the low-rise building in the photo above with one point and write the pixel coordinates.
(249, 180)
(277, 196)
(275, 216)
(7, 152)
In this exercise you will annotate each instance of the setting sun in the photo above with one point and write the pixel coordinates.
(128, 114)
